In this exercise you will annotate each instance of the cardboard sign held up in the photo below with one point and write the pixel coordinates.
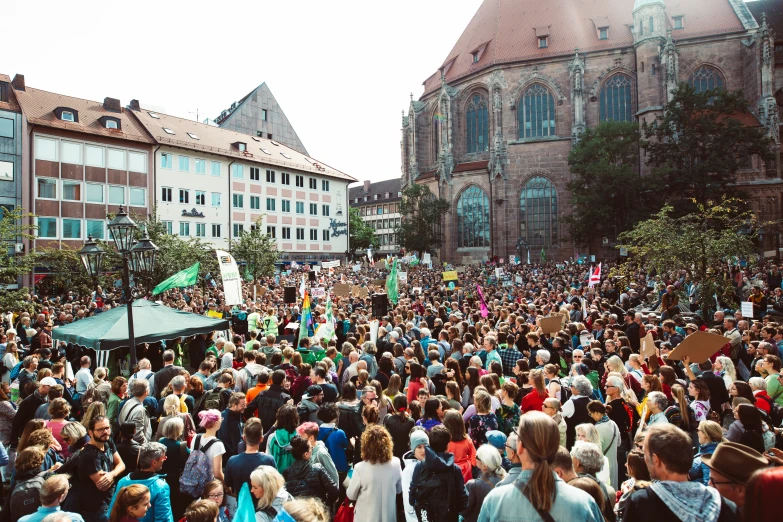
(379, 282)
(550, 325)
(341, 290)
(451, 275)
(648, 346)
(699, 346)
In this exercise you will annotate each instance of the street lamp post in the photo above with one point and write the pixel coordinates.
(138, 257)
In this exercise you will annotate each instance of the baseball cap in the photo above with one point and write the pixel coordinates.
(313, 391)
(48, 381)
(497, 439)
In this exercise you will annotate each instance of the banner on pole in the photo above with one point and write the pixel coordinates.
(232, 280)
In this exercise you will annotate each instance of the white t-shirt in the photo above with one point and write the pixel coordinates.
(215, 450)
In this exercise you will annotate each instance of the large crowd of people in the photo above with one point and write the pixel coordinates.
(452, 404)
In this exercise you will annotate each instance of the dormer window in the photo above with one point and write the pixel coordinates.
(603, 33)
(110, 123)
(678, 22)
(168, 131)
(4, 92)
(273, 142)
(241, 147)
(266, 152)
(67, 114)
(475, 56)
(543, 42)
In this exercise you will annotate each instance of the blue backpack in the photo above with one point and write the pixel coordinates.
(16, 370)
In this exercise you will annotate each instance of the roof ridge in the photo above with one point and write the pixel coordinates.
(28, 88)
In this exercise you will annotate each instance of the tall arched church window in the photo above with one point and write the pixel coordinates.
(705, 78)
(616, 99)
(437, 122)
(478, 124)
(538, 213)
(536, 112)
(473, 218)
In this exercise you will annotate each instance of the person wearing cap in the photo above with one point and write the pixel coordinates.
(419, 440)
(731, 466)
(27, 407)
(497, 439)
(311, 403)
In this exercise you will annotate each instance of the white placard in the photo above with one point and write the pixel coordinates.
(498, 273)
(402, 276)
(374, 331)
(357, 268)
(426, 259)
(331, 264)
(518, 280)
(747, 309)
(317, 291)
(232, 282)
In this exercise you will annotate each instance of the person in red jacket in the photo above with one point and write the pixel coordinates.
(534, 401)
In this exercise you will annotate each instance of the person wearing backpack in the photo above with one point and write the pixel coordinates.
(270, 400)
(206, 456)
(53, 493)
(437, 491)
(279, 442)
(26, 483)
(134, 411)
(150, 461)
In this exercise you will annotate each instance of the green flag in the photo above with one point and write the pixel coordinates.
(391, 283)
(543, 255)
(182, 279)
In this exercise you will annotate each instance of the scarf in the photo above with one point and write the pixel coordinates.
(604, 419)
(689, 501)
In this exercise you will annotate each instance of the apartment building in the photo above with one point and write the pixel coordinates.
(379, 204)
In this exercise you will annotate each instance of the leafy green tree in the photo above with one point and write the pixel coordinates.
(699, 243)
(696, 147)
(66, 271)
(362, 235)
(606, 187)
(257, 250)
(15, 225)
(420, 227)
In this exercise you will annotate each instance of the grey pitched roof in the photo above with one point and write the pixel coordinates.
(393, 186)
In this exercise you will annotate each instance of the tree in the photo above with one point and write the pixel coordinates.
(696, 147)
(699, 243)
(606, 187)
(15, 225)
(419, 229)
(362, 234)
(66, 271)
(257, 250)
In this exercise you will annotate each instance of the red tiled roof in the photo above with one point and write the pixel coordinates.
(471, 166)
(11, 104)
(38, 107)
(510, 28)
(427, 175)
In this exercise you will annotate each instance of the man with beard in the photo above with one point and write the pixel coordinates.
(99, 467)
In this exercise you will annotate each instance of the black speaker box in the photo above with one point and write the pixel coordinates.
(311, 275)
(290, 294)
(380, 305)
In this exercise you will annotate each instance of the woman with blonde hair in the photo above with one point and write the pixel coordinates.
(227, 357)
(307, 510)
(589, 433)
(376, 479)
(10, 360)
(554, 409)
(710, 435)
(171, 409)
(724, 367)
(488, 462)
(268, 486)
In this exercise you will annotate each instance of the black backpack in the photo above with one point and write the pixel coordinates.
(565, 391)
(775, 411)
(431, 503)
(26, 496)
(212, 400)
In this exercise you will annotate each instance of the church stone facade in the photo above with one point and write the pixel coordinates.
(492, 132)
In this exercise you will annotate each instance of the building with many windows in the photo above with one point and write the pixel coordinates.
(379, 205)
(10, 146)
(493, 130)
(214, 183)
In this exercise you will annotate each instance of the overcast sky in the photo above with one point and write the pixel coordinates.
(342, 71)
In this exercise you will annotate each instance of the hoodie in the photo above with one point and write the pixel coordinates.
(438, 472)
(160, 495)
(320, 455)
(308, 412)
(279, 447)
(409, 464)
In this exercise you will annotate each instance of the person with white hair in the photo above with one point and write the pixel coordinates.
(588, 461)
(575, 409)
(489, 462)
(542, 358)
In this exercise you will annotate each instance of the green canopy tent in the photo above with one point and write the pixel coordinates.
(152, 322)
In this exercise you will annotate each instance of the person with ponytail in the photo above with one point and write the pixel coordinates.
(131, 504)
(538, 490)
(399, 425)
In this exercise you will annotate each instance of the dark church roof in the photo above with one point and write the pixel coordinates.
(774, 11)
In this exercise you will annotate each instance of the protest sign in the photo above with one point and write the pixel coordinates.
(317, 291)
(450, 275)
(232, 281)
(747, 309)
(341, 290)
(648, 346)
(402, 276)
(330, 264)
(498, 273)
(518, 280)
(699, 346)
(550, 325)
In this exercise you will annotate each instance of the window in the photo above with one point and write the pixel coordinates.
(286, 232)
(266, 152)
(255, 174)
(184, 196)
(215, 199)
(45, 149)
(386, 209)
(238, 201)
(271, 232)
(137, 162)
(95, 228)
(4, 88)
(313, 234)
(603, 33)
(241, 146)
(678, 22)
(116, 195)
(269, 137)
(437, 120)
(536, 113)
(255, 203)
(193, 136)
(216, 230)
(168, 131)
(201, 230)
(47, 227)
(397, 209)
(270, 176)
(71, 152)
(184, 164)
(72, 228)
(473, 218)
(116, 159)
(137, 197)
(313, 209)
(705, 78)
(285, 178)
(166, 161)
(72, 191)
(325, 235)
(313, 184)
(270, 204)
(216, 168)
(201, 197)
(300, 181)
(379, 210)
(169, 226)
(475, 56)
(299, 207)
(111, 124)
(237, 171)
(325, 210)
(94, 193)
(184, 228)
(93, 156)
(615, 99)
(641, 28)
(300, 234)
(286, 205)
(67, 116)
(263, 114)
(542, 42)
(47, 188)
(153, 115)
(477, 122)
(165, 194)
(238, 229)
(651, 25)
(385, 224)
(364, 211)
(325, 185)
(201, 166)
(538, 214)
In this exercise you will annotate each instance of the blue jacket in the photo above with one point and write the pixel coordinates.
(43, 512)
(336, 444)
(160, 495)
(700, 472)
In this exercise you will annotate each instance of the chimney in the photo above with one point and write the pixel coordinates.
(112, 104)
(18, 82)
(366, 186)
(135, 105)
